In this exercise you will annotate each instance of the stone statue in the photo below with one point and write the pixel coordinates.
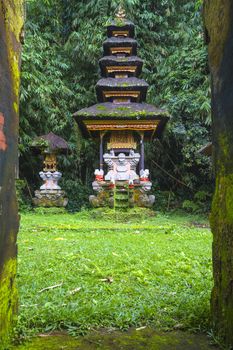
(99, 175)
(50, 193)
(122, 167)
(50, 180)
(144, 180)
(144, 175)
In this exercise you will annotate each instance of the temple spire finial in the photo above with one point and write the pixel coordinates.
(121, 13)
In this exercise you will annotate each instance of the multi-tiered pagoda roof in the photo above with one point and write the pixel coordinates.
(121, 94)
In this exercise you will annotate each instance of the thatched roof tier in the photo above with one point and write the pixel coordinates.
(118, 45)
(50, 143)
(123, 111)
(137, 114)
(122, 26)
(133, 88)
(132, 65)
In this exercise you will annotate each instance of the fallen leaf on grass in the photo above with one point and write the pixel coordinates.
(49, 288)
(140, 328)
(115, 254)
(179, 326)
(74, 291)
(108, 279)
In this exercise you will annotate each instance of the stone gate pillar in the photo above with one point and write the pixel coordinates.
(11, 35)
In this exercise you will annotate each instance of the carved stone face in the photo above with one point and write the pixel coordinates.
(121, 158)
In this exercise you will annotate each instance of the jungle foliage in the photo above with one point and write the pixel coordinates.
(60, 69)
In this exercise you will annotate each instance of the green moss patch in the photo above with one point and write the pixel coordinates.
(134, 339)
(8, 301)
(130, 111)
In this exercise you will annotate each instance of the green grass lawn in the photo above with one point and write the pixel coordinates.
(148, 271)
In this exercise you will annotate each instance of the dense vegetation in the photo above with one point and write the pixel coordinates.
(116, 275)
(60, 69)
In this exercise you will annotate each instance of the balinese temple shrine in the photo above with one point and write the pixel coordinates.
(121, 122)
(50, 193)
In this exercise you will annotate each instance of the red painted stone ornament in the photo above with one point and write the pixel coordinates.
(99, 178)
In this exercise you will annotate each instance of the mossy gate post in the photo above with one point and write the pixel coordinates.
(218, 20)
(11, 30)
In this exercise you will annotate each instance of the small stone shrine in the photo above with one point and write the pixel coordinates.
(50, 193)
(121, 122)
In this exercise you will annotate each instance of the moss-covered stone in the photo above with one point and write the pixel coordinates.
(131, 111)
(11, 28)
(218, 20)
(8, 300)
(132, 214)
(136, 340)
(222, 226)
(49, 211)
(217, 12)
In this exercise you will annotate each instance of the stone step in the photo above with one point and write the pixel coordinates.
(122, 200)
(121, 206)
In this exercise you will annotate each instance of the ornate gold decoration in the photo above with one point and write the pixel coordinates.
(121, 100)
(112, 69)
(124, 33)
(121, 14)
(140, 125)
(122, 127)
(119, 145)
(121, 94)
(120, 76)
(121, 50)
(50, 162)
(122, 139)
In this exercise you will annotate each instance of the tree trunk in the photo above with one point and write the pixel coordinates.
(11, 26)
(218, 19)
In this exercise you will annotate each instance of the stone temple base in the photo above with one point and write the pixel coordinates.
(50, 198)
(121, 195)
(143, 199)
